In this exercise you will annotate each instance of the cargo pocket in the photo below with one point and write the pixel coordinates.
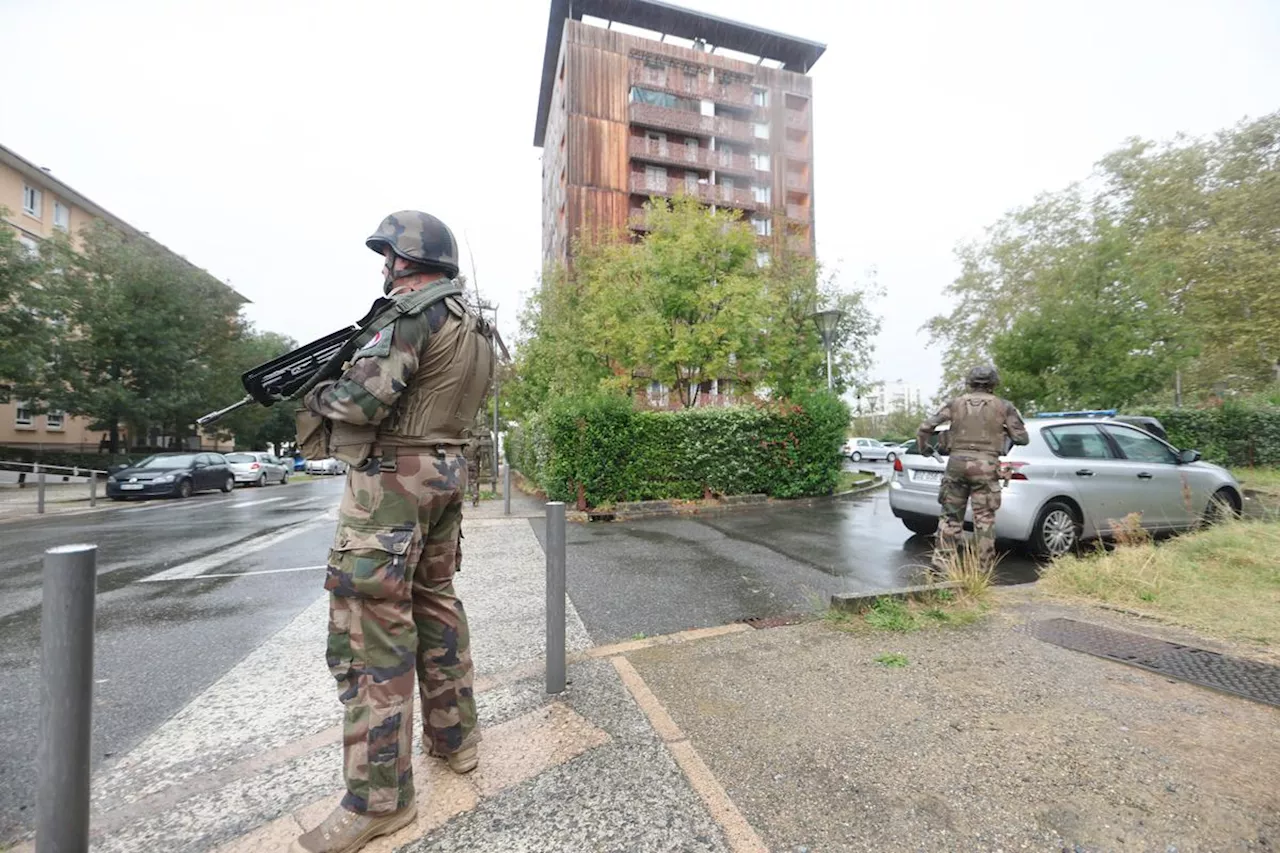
(371, 561)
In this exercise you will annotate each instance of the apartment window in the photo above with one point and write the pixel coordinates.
(762, 258)
(691, 150)
(763, 226)
(727, 183)
(655, 178)
(762, 130)
(655, 72)
(691, 183)
(690, 80)
(31, 247)
(54, 420)
(760, 97)
(761, 162)
(31, 201)
(61, 216)
(22, 416)
(763, 195)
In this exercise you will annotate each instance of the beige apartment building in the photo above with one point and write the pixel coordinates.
(37, 205)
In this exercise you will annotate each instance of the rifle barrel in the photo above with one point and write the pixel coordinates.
(221, 413)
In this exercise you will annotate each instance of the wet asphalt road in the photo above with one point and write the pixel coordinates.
(670, 574)
(158, 644)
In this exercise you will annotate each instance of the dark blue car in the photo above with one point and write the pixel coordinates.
(171, 475)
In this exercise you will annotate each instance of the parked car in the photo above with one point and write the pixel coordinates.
(870, 449)
(176, 474)
(257, 468)
(326, 466)
(1073, 479)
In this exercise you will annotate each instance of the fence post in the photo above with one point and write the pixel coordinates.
(506, 489)
(66, 699)
(555, 597)
(40, 493)
(93, 488)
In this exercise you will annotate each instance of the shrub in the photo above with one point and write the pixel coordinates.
(1230, 434)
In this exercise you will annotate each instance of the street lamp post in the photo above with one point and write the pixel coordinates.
(826, 322)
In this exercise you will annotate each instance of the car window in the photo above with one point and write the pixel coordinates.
(1078, 441)
(241, 457)
(160, 461)
(1141, 447)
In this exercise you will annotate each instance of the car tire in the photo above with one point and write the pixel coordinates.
(1223, 506)
(856, 456)
(921, 525)
(184, 489)
(262, 480)
(1057, 531)
(284, 478)
(228, 484)
(891, 458)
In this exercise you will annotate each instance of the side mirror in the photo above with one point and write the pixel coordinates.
(200, 465)
(1189, 456)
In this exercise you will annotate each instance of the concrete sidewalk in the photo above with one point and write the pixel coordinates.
(256, 758)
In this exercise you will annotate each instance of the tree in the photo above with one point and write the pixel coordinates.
(146, 337)
(27, 316)
(254, 427)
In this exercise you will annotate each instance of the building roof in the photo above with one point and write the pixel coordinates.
(20, 164)
(795, 54)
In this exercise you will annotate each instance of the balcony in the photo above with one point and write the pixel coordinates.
(682, 155)
(796, 151)
(797, 182)
(798, 212)
(650, 185)
(798, 120)
(693, 124)
(673, 80)
(734, 197)
(798, 243)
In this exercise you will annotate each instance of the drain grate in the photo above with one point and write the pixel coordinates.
(774, 621)
(1248, 679)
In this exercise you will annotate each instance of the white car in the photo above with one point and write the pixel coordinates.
(871, 450)
(1076, 477)
(326, 466)
(257, 468)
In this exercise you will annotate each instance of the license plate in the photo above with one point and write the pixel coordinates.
(926, 476)
(131, 487)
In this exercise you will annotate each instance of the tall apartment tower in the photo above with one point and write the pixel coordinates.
(722, 111)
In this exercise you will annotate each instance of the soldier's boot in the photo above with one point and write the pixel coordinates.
(463, 761)
(345, 831)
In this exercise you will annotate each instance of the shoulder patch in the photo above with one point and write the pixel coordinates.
(379, 346)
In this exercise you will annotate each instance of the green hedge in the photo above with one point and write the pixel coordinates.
(602, 450)
(1230, 434)
(100, 461)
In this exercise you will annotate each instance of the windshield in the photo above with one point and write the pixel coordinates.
(241, 457)
(181, 460)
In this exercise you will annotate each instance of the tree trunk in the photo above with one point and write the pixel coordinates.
(115, 437)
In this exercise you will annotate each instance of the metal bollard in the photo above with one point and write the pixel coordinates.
(40, 493)
(66, 699)
(555, 597)
(506, 489)
(93, 488)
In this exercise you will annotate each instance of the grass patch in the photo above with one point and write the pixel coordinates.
(939, 609)
(1262, 479)
(852, 479)
(1224, 581)
(891, 659)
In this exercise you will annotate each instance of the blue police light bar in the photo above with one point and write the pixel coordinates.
(1093, 413)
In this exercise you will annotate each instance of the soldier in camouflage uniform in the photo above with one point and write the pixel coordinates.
(981, 423)
(415, 383)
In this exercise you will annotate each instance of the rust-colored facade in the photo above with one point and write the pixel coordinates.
(625, 117)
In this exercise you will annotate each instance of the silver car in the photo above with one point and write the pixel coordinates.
(869, 449)
(1073, 479)
(257, 469)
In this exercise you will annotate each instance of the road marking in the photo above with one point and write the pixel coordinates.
(183, 505)
(195, 568)
(261, 572)
(255, 503)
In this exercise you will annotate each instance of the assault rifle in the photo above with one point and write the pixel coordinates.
(293, 374)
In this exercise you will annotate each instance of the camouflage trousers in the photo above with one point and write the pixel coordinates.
(971, 479)
(393, 610)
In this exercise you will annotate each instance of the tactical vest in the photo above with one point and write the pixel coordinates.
(977, 423)
(454, 372)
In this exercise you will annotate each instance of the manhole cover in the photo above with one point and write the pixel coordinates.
(1249, 679)
(774, 621)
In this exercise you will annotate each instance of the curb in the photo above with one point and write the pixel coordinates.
(856, 602)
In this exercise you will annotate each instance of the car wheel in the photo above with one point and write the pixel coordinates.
(284, 477)
(856, 456)
(922, 525)
(1222, 507)
(891, 458)
(228, 484)
(184, 489)
(1057, 530)
(262, 480)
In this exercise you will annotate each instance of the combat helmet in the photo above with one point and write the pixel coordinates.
(984, 376)
(419, 238)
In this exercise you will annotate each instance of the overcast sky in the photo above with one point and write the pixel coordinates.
(264, 140)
